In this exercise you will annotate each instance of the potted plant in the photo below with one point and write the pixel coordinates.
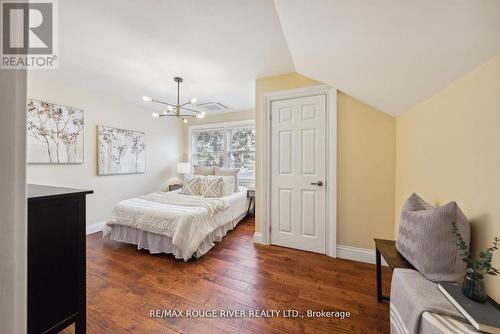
(473, 285)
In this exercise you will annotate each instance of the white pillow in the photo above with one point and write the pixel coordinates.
(229, 172)
(212, 186)
(203, 170)
(227, 185)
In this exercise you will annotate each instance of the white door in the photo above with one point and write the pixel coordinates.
(298, 170)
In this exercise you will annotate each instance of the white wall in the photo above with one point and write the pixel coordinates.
(13, 233)
(164, 146)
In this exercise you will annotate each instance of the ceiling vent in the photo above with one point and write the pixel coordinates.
(213, 106)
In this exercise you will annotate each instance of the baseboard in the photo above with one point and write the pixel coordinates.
(257, 237)
(96, 227)
(343, 252)
(357, 254)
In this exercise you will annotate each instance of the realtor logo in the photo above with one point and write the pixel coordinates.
(28, 31)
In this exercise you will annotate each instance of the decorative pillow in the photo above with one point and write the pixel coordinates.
(227, 185)
(426, 240)
(229, 172)
(212, 186)
(192, 185)
(202, 170)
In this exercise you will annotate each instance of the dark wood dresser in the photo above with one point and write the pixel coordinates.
(56, 259)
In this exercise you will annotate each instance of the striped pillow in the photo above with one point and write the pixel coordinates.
(192, 185)
(212, 186)
(426, 240)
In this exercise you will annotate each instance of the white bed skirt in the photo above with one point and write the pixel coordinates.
(157, 243)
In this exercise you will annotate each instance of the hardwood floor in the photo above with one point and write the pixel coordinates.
(124, 284)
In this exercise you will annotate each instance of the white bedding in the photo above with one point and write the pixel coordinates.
(175, 223)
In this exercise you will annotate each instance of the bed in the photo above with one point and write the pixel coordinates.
(172, 223)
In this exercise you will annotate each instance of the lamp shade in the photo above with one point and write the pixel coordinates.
(183, 168)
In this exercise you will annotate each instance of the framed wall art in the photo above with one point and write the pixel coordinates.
(120, 151)
(55, 133)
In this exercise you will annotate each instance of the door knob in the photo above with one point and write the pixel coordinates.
(319, 183)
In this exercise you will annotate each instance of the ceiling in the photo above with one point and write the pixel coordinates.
(131, 48)
(390, 54)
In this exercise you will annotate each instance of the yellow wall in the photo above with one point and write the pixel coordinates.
(448, 148)
(366, 164)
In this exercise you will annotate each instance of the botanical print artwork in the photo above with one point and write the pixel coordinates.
(120, 151)
(54, 133)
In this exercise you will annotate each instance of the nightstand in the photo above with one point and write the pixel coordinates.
(251, 195)
(173, 187)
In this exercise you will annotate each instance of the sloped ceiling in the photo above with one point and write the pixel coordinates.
(390, 54)
(131, 48)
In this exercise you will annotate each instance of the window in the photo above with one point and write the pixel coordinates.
(229, 145)
(241, 150)
(208, 148)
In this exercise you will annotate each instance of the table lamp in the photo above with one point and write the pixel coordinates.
(182, 168)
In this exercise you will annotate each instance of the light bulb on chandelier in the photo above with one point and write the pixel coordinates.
(181, 111)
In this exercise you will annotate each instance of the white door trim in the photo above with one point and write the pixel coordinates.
(331, 168)
(13, 239)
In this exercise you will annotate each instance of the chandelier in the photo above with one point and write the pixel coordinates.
(177, 110)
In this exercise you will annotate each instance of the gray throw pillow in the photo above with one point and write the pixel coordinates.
(426, 240)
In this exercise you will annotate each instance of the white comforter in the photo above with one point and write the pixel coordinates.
(213, 205)
(186, 219)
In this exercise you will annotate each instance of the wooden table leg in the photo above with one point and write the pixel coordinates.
(380, 296)
(249, 206)
(379, 275)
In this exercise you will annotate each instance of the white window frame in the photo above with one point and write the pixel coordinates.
(225, 126)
